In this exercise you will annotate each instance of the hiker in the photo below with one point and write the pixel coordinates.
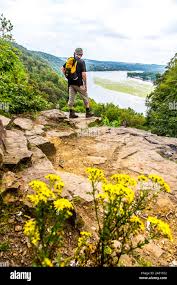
(75, 71)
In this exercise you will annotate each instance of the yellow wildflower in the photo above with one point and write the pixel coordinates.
(62, 204)
(136, 220)
(86, 234)
(31, 230)
(166, 188)
(102, 196)
(124, 179)
(118, 190)
(161, 227)
(157, 179)
(37, 185)
(95, 174)
(120, 211)
(34, 199)
(58, 187)
(46, 262)
(43, 193)
(53, 178)
(83, 240)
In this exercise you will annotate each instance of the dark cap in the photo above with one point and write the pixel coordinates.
(79, 51)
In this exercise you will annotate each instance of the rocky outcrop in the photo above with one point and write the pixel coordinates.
(134, 152)
(52, 117)
(40, 167)
(60, 134)
(72, 146)
(116, 150)
(9, 182)
(23, 123)
(5, 121)
(82, 122)
(35, 131)
(43, 143)
(16, 148)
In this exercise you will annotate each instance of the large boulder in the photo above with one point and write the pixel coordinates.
(51, 116)
(43, 143)
(23, 123)
(82, 122)
(16, 148)
(5, 121)
(60, 134)
(9, 182)
(36, 130)
(40, 167)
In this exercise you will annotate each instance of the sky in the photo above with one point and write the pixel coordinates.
(118, 30)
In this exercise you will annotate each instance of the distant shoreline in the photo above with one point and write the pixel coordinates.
(136, 87)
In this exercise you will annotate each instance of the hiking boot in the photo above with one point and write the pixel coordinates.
(89, 114)
(72, 114)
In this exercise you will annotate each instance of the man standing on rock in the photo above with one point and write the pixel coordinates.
(77, 82)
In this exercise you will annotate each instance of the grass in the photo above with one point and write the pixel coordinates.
(4, 246)
(129, 86)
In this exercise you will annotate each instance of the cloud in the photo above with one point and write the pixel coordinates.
(171, 28)
(129, 30)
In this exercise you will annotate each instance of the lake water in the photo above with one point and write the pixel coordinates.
(123, 100)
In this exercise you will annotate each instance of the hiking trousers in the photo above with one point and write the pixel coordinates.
(73, 90)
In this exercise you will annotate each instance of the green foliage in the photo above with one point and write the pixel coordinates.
(148, 76)
(162, 102)
(114, 123)
(95, 65)
(15, 89)
(114, 116)
(46, 80)
(5, 28)
(80, 108)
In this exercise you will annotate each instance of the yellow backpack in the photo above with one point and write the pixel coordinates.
(71, 68)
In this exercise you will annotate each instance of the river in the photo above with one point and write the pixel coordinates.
(123, 100)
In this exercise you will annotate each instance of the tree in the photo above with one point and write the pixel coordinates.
(15, 89)
(162, 102)
(6, 28)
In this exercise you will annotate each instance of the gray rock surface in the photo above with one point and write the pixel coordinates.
(54, 115)
(77, 185)
(9, 181)
(82, 122)
(16, 148)
(36, 130)
(24, 123)
(5, 120)
(43, 143)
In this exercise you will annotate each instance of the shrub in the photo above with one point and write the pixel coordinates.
(113, 115)
(119, 210)
(14, 87)
(162, 106)
(45, 230)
